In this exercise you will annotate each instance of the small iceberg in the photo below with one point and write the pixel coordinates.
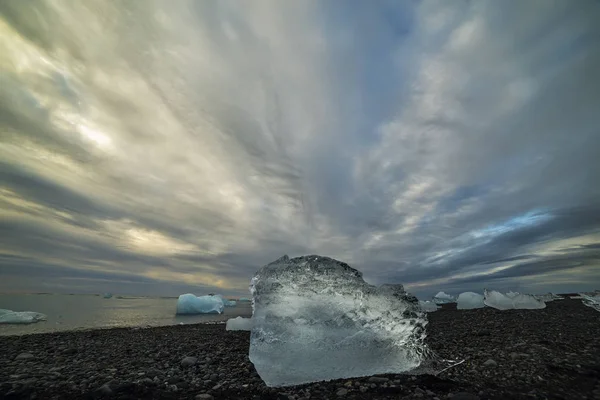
(192, 304)
(511, 301)
(428, 306)
(443, 298)
(469, 301)
(239, 324)
(107, 295)
(226, 302)
(20, 317)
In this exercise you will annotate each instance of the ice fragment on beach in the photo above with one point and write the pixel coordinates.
(191, 304)
(428, 306)
(239, 324)
(469, 300)
(591, 300)
(511, 301)
(20, 317)
(443, 298)
(315, 319)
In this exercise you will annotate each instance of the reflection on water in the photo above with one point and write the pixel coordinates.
(69, 312)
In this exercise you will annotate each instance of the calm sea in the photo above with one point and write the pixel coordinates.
(72, 312)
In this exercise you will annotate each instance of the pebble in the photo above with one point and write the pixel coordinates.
(188, 361)
(105, 389)
(342, 392)
(24, 356)
(378, 379)
(490, 363)
(204, 396)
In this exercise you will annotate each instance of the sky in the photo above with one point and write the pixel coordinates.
(164, 147)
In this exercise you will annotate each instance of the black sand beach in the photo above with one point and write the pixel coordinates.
(552, 353)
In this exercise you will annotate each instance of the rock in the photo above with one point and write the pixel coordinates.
(490, 363)
(204, 396)
(24, 356)
(188, 361)
(152, 372)
(342, 392)
(378, 379)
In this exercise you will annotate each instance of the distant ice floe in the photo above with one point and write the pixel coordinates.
(548, 297)
(443, 298)
(239, 324)
(192, 304)
(512, 301)
(20, 317)
(226, 302)
(469, 301)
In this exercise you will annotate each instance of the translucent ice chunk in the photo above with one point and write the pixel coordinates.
(443, 298)
(20, 317)
(469, 300)
(428, 306)
(591, 300)
(190, 304)
(514, 301)
(239, 324)
(315, 319)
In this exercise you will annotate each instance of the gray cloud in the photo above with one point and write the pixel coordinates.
(163, 149)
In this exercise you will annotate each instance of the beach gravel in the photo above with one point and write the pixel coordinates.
(553, 353)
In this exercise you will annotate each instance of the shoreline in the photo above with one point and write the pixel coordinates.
(551, 353)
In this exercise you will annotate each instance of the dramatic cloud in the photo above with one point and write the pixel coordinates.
(153, 147)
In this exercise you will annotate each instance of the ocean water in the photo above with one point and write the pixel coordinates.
(74, 312)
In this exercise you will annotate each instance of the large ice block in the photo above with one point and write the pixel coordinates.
(511, 300)
(191, 304)
(469, 300)
(315, 319)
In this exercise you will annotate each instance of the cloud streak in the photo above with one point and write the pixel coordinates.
(441, 145)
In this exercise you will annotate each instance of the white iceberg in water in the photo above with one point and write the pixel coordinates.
(239, 324)
(511, 301)
(428, 306)
(469, 300)
(316, 319)
(443, 298)
(191, 304)
(20, 317)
